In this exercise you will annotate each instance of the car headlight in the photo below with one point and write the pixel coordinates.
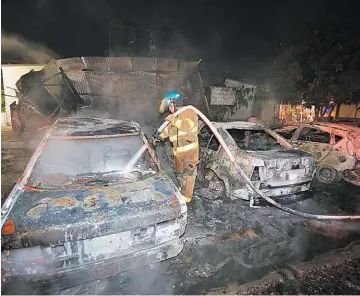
(287, 166)
(269, 175)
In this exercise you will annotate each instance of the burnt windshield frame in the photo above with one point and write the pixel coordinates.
(272, 142)
(152, 160)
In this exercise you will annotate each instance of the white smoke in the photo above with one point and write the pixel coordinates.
(17, 47)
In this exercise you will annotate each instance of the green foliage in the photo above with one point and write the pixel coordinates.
(243, 96)
(322, 61)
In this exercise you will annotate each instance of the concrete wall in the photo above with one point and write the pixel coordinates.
(11, 74)
(267, 110)
(3, 119)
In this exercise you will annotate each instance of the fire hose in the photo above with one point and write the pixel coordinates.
(246, 178)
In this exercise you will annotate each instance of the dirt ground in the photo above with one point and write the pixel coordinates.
(13, 162)
(334, 273)
(15, 154)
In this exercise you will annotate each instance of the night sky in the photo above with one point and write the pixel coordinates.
(217, 31)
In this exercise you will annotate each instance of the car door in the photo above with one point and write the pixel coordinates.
(314, 141)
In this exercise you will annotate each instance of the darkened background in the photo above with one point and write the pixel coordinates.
(242, 36)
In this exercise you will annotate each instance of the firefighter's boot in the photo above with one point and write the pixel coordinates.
(188, 179)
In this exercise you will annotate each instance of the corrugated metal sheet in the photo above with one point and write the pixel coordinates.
(126, 64)
(125, 87)
(70, 64)
(121, 85)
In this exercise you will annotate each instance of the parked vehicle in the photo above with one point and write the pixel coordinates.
(268, 159)
(336, 147)
(81, 212)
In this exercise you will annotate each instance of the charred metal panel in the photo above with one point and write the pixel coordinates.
(120, 63)
(71, 64)
(44, 93)
(120, 86)
(96, 63)
(280, 171)
(67, 275)
(126, 64)
(43, 216)
(340, 153)
(83, 126)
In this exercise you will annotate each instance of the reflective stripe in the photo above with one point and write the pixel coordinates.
(163, 135)
(188, 199)
(186, 148)
(181, 133)
(172, 138)
(178, 123)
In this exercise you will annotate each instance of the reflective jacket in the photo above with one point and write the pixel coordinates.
(184, 133)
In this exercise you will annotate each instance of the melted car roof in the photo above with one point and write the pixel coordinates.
(238, 125)
(86, 126)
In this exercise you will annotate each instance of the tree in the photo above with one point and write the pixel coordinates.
(323, 61)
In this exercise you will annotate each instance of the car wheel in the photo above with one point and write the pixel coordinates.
(211, 186)
(327, 175)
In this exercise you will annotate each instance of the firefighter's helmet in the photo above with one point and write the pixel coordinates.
(171, 97)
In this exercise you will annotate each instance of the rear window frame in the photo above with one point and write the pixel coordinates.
(268, 136)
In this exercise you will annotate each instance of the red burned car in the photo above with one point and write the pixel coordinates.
(336, 147)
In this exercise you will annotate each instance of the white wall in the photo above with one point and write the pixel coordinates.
(267, 110)
(3, 119)
(11, 74)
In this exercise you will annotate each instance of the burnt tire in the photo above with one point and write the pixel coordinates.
(327, 175)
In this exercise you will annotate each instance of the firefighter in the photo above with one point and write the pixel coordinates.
(182, 133)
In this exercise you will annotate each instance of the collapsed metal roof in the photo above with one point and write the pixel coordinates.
(112, 84)
(125, 78)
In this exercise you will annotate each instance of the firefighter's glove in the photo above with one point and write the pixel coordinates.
(170, 118)
(153, 141)
(155, 138)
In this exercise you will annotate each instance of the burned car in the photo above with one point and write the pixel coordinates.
(92, 202)
(269, 161)
(336, 147)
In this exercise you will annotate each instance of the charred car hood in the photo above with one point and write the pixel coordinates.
(277, 157)
(54, 217)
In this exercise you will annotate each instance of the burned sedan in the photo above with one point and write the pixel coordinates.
(335, 145)
(92, 202)
(267, 158)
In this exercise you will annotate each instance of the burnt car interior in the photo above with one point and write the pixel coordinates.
(314, 135)
(286, 132)
(80, 160)
(253, 140)
(207, 139)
